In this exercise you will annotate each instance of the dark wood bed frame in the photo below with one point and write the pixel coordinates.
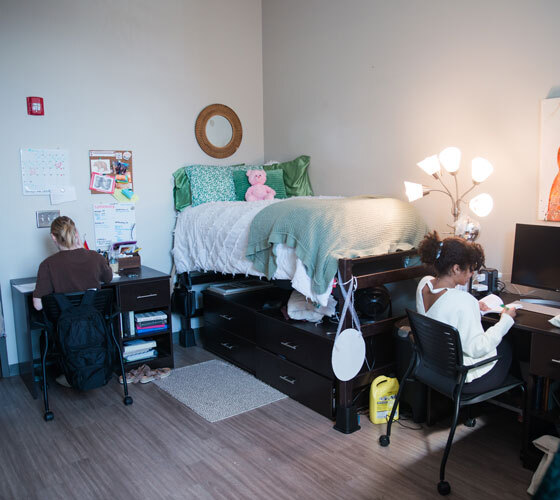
(370, 272)
(366, 270)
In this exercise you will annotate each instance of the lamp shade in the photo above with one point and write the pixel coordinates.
(414, 191)
(482, 204)
(450, 158)
(430, 165)
(481, 169)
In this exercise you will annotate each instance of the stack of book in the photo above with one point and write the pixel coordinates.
(149, 322)
(135, 350)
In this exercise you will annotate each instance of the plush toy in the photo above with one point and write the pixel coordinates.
(258, 190)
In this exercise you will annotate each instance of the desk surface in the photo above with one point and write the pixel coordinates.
(143, 273)
(526, 320)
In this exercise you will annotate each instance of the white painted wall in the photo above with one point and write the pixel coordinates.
(370, 87)
(118, 74)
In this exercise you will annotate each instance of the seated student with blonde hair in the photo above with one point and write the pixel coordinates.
(73, 268)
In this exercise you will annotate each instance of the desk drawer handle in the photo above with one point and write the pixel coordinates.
(289, 345)
(557, 361)
(226, 317)
(146, 296)
(290, 380)
(229, 347)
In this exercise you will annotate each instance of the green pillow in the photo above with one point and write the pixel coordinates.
(296, 177)
(274, 179)
(181, 189)
(182, 195)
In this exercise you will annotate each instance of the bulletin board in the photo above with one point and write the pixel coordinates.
(110, 171)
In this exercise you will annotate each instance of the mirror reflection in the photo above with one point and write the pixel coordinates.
(219, 131)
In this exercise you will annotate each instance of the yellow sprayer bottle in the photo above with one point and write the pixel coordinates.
(381, 398)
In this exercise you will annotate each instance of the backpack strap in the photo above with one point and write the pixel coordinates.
(62, 301)
(89, 297)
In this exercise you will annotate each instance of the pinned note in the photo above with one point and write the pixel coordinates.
(62, 194)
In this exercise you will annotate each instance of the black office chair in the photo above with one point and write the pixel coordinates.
(103, 302)
(437, 361)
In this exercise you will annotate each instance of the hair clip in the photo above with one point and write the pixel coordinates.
(439, 250)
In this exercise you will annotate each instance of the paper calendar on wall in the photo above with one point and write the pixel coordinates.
(43, 169)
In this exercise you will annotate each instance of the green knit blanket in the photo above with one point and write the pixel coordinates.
(321, 231)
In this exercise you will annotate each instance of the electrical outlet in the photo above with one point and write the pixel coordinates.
(45, 217)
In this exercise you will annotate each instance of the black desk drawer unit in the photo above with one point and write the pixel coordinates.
(229, 316)
(312, 390)
(296, 345)
(545, 356)
(146, 295)
(238, 350)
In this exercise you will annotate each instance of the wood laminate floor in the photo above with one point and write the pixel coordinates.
(96, 448)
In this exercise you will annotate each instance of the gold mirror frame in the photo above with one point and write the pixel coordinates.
(236, 130)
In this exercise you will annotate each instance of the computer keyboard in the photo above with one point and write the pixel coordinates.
(538, 308)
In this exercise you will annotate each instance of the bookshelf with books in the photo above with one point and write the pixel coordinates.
(145, 322)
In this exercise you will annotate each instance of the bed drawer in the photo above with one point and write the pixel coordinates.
(545, 356)
(229, 316)
(145, 295)
(228, 346)
(295, 344)
(312, 390)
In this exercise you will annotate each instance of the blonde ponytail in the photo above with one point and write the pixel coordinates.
(64, 231)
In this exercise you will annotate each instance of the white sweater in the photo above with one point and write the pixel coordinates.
(462, 311)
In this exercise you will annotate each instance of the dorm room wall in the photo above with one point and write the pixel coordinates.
(127, 74)
(368, 88)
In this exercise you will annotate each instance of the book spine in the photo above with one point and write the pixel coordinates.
(150, 323)
(141, 333)
(151, 327)
(131, 322)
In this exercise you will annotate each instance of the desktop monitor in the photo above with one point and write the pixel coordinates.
(536, 257)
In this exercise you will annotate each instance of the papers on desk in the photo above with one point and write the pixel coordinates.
(496, 305)
(25, 287)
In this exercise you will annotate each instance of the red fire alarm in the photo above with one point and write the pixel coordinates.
(35, 106)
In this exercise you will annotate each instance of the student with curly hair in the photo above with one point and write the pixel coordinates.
(454, 260)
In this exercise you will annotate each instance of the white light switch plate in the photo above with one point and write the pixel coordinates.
(45, 217)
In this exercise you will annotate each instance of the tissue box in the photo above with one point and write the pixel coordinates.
(129, 263)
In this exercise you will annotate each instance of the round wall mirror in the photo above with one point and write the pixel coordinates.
(218, 131)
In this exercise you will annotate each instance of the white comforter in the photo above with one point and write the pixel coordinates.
(213, 237)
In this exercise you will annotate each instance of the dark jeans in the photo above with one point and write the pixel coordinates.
(496, 375)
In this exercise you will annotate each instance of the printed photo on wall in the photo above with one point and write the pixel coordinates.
(102, 183)
(101, 166)
(549, 173)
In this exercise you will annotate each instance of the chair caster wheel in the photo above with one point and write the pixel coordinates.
(384, 440)
(443, 488)
(48, 416)
(470, 422)
(127, 400)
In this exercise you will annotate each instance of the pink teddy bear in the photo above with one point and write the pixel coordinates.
(258, 190)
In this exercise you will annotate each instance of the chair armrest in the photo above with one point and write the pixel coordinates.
(482, 363)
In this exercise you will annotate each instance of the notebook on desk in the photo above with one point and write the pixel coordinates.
(538, 308)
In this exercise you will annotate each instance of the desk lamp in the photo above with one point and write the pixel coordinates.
(450, 159)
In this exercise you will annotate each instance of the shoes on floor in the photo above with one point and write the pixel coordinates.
(61, 380)
(145, 374)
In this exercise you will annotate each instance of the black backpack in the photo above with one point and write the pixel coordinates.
(83, 339)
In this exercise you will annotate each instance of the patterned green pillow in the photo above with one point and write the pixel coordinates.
(210, 184)
(182, 196)
(274, 179)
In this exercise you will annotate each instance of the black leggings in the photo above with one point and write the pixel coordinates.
(496, 376)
